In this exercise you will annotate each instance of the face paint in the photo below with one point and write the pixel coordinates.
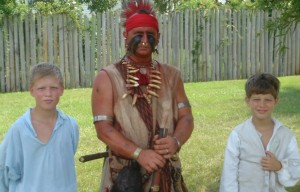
(151, 41)
(134, 42)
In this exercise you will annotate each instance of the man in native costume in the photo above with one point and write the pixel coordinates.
(135, 99)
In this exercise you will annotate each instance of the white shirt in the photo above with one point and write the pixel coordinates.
(232, 177)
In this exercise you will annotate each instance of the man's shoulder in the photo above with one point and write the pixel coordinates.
(168, 66)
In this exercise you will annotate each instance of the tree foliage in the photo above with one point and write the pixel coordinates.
(164, 6)
(7, 7)
(99, 5)
(289, 9)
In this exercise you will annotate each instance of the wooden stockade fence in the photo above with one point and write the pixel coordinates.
(205, 45)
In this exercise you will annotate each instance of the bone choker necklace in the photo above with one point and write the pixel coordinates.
(140, 82)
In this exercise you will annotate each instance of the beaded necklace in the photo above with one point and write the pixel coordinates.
(139, 82)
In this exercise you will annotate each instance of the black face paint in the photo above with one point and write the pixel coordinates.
(151, 41)
(134, 42)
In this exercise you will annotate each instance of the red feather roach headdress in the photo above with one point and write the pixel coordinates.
(139, 14)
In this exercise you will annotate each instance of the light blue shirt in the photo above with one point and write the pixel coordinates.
(28, 165)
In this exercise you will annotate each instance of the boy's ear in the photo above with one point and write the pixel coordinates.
(247, 100)
(62, 91)
(31, 90)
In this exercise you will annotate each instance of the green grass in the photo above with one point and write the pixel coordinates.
(217, 107)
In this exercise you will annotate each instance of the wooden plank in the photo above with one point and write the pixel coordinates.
(276, 55)
(99, 45)
(195, 47)
(93, 52)
(33, 40)
(11, 70)
(109, 38)
(186, 45)
(230, 46)
(197, 55)
(66, 51)
(75, 62)
(225, 44)
(39, 40)
(289, 52)
(55, 39)
(266, 63)
(61, 44)
(23, 78)
(253, 44)
(257, 44)
(244, 45)
(218, 44)
(271, 52)
(71, 54)
(239, 44)
(234, 45)
(87, 51)
(169, 42)
(297, 42)
(175, 39)
(81, 57)
(6, 53)
(293, 51)
(213, 44)
(28, 50)
(50, 39)
(103, 41)
(16, 72)
(2, 58)
(45, 39)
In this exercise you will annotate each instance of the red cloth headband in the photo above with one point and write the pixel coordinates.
(141, 20)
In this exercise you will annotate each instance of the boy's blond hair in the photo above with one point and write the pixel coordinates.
(45, 69)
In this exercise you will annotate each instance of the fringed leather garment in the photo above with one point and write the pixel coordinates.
(135, 123)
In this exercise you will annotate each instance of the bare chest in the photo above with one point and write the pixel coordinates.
(265, 137)
(43, 130)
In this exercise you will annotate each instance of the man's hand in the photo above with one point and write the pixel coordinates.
(150, 160)
(166, 146)
(270, 162)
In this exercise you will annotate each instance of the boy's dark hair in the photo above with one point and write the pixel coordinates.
(262, 83)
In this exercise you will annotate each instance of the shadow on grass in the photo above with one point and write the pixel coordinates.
(288, 101)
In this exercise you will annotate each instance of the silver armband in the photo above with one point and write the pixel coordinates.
(102, 118)
(183, 104)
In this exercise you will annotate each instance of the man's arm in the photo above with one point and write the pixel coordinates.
(183, 127)
(185, 123)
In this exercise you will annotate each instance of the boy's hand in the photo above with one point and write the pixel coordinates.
(270, 163)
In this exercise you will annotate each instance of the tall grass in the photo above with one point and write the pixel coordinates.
(217, 108)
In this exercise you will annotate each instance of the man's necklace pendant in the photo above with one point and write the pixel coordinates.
(143, 70)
